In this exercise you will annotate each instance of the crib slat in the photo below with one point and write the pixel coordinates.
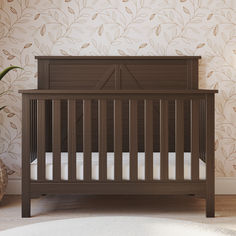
(71, 140)
(148, 135)
(102, 139)
(33, 129)
(87, 138)
(56, 139)
(41, 140)
(164, 139)
(133, 139)
(195, 139)
(179, 138)
(118, 139)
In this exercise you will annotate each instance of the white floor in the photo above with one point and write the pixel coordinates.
(50, 208)
(118, 226)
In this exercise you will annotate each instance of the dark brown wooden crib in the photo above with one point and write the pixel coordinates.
(118, 125)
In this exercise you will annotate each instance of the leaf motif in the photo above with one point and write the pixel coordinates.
(13, 125)
(100, 30)
(220, 107)
(178, 52)
(158, 30)
(216, 29)
(125, 0)
(6, 110)
(10, 57)
(43, 30)
(152, 16)
(121, 52)
(128, 11)
(64, 53)
(223, 152)
(234, 108)
(10, 115)
(67, 0)
(229, 131)
(27, 59)
(26, 3)
(56, 16)
(216, 86)
(183, 0)
(13, 10)
(10, 172)
(186, 10)
(71, 10)
(143, 45)
(6, 52)
(210, 74)
(209, 16)
(36, 42)
(200, 45)
(94, 16)
(234, 51)
(28, 45)
(85, 45)
(231, 148)
(37, 16)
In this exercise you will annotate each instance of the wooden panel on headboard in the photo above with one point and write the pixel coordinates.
(111, 72)
(118, 72)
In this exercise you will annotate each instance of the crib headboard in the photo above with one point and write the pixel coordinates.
(57, 72)
(111, 72)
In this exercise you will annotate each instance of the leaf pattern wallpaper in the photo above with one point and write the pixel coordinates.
(119, 27)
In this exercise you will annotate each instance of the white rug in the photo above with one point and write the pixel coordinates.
(116, 226)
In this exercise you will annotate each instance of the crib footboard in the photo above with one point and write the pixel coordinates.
(114, 115)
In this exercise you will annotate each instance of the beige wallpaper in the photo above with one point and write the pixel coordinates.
(119, 27)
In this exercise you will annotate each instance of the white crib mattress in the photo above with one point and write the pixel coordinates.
(125, 166)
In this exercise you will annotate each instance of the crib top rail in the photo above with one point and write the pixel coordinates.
(117, 57)
(118, 92)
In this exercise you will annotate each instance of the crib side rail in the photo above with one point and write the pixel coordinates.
(148, 98)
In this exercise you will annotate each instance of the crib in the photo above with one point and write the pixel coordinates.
(118, 126)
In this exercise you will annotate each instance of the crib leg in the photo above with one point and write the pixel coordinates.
(210, 205)
(210, 156)
(25, 211)
(26, 156)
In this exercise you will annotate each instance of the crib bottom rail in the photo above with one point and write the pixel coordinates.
(122, 188)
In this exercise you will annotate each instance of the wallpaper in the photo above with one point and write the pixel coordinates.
(119, 27)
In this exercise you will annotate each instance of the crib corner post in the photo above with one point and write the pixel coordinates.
(25, 197)
(25, 207)
(210, 155)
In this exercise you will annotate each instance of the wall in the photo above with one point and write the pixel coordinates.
(119, 27)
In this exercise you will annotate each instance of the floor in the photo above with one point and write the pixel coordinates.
(48, 208)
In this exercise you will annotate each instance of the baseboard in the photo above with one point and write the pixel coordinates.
(225, 186)
(14, 186)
